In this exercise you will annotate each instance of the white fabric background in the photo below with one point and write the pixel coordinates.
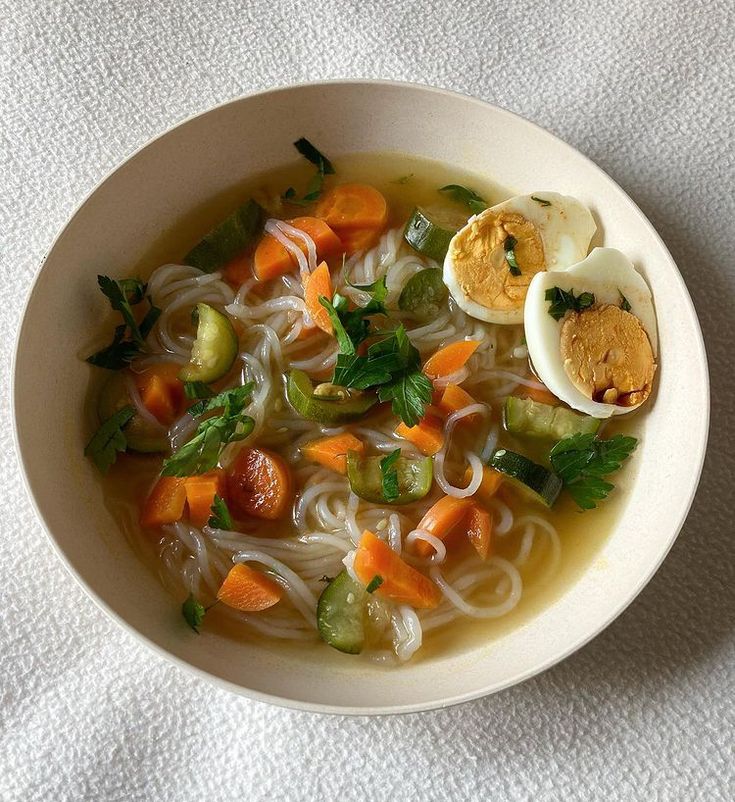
(643, 712)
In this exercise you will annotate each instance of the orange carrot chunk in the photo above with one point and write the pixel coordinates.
(317, 284)
(248, 590)
(480, 530)
(200, 493)
(271, 259)
(450, 359)
(427, 435)
(359, 240)
(441, 520)
(401, 583)
(331, 452)
(161, 391)
(540, 394)
(351, 206)
(489, 486)
(455, 398)
(165, 503)
(259, 483)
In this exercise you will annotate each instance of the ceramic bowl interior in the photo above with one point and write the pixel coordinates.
(167, 181)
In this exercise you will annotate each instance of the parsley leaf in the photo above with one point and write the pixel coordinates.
(563, 301)
(235, 397)
(510, 255)
(310, 153)
(197, 390)
(541, 201)
(109, 439)
(220, 518)
(193, 612)
(389, 475)
(624, 303)
(374, 583)
(314, 187)
(118, 354)
(583, 462)
(466, 196)
(410, 393)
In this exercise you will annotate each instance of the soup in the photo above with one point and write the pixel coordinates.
(321, 426)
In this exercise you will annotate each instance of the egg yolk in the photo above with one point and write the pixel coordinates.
(480, 266)
(607, 355)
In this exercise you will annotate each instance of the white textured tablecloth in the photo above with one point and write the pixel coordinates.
(645, 711)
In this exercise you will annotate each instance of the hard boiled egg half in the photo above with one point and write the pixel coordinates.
(491, 261)
(591, 334)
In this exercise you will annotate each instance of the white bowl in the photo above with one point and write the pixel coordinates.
(161, 184)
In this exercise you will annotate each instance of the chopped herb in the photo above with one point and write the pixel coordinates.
(582, 462)
(310, 153)
(541, 201)
(624, 303)
(109, 439)
(118, 354)
(466, 196)
(563, 301)
(410, 392)
(220, 518)
(314, 187)
(351, 327)
(374, 583)
(510, 255)
(235, 396)
(197, 390)
(193, 612)
(404, 179)
(389, 475)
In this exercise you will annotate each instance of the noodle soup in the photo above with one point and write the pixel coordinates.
(321, 426)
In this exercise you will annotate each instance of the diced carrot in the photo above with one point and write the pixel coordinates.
(165, 503)
(317, 284)
(480, 530)
(331, 452)
(401, 583)
(455, 398)
(272, 259)
(491, 481)
(239, 269)
(427, 435)
(440, 521)
(450, 359)
(540, 394)
(259, 483)
(249, 590)
(200, 493)
(351, 206)
(161, 391)
(359, 240)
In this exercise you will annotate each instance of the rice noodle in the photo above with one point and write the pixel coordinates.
(474, 461)
(492, 611)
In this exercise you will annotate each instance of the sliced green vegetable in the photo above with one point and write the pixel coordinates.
(140, 434)
(340, 614)
(534, 419)
(366, 478)
(214, 349)
(230, 238)
(531, 479)
(430, 232)
(424, 294)
(328, 403)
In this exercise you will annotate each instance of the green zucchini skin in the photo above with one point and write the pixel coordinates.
(340, 614)
(215, 348)
(524, 416)
(324, 410)
(424, 294)
(425, 234)
(531, 479)
(414, 478)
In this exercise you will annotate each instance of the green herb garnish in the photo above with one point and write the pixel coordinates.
(563, 301)
(197, 390)
(109, 439)
(510, 255)
(541, 201)
(624, 303)
(374, 583)
(389, 475)
(193, 612)
(582, 462)
(466, 196)
(404, 179)
(314, 187)
(220, 518)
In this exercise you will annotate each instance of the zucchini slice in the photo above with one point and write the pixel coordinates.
(366, 479)
(340, 614)
(214, 349)
(424, 294)
(525, 416)
(533, 480)
(342, 406)
(429, 232)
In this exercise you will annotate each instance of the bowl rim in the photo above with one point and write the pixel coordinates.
(295, 703)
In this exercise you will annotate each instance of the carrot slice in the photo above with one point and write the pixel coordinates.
(401, 583)
(317, 284)
(248, 590)
(427, 435)
(359, 240)
(200, 493)
(259, 483)
(161, 391)
(450, 359)
(540, 394)
(350, 206)
(332, 451)
(165, 503)
(489, 486)
(455, 398)
(441, 520)
(272, 259)
(239, 269)
(480, 530)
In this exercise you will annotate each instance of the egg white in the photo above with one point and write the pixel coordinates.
(607, 273)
